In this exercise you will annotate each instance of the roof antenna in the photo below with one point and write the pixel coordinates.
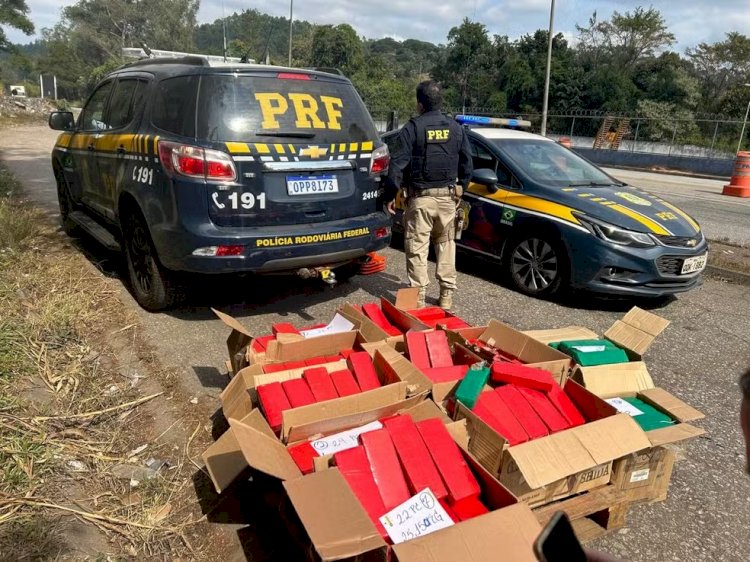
(224, 29)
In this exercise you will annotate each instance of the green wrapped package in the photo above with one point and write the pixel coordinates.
(589, 353)
(472, 384)
(651, 418)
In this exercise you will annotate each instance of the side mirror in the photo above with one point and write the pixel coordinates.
(61, 121)
(485, 177)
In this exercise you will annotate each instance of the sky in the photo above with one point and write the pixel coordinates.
(691, 21)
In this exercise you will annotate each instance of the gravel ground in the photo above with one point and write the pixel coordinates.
(699, 357)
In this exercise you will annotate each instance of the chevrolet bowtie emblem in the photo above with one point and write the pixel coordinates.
(313, 151)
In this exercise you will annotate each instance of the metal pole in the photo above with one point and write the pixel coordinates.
(572, 126)
(224, 29)
(54, 79)
(742, 134)
(674, 135)
(635, 140)
(291, 21)
(545, 100)
(713, 140)
(41, 89)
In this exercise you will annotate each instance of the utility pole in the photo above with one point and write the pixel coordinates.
(744, 123)
(545, 101)
(291, 22)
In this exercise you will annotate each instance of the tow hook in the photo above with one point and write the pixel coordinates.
(323, 273)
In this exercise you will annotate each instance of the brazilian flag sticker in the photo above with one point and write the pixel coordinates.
(509, 215)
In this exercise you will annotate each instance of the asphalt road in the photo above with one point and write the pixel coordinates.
(699, 357)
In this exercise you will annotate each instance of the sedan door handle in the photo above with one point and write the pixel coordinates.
(91, 147)
(121, 149)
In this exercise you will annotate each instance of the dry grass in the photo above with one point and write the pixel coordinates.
(67, 415)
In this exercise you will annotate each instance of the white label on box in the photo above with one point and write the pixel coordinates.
(420, 515)
(342, 441)
(338, 325)
(624, 407)
(640, 475)
(589, 348)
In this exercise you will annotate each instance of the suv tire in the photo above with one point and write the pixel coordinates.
(154, 286)
(65, 202)
(536, 264)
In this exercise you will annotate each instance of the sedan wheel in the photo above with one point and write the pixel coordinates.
(536, 266)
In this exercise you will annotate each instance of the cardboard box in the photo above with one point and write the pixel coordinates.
(346, 531)
(526, 349)
(561, 464)
(510, 531)
(634, 333)
(250, 442)
(649, 470)
(239, 396)
(242, 352)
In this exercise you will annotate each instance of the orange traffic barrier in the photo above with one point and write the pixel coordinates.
(566, 142)
(375, 264)
(739, 185)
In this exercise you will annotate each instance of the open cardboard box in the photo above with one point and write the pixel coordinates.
(343, 530)
(393, 370)
(528, 350)
(564, 463)
(634, 333)
(286, 347)
(648, 468)
(250, 441)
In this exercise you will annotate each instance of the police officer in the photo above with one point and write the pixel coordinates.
(432, 152)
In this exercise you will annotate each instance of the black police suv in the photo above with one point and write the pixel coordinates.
(195, 166)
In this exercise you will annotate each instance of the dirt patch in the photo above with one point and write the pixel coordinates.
(730, 256)
(99, 445)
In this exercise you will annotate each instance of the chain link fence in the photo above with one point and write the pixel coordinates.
(698, 135)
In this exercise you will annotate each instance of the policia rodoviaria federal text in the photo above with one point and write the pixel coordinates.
(431, 163)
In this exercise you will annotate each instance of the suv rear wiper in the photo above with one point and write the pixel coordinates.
(595, 184)
(290, 134)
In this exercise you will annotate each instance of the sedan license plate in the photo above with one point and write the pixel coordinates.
(692, 265)
(311, 185)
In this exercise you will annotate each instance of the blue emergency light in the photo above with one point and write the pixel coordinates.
(492, 121)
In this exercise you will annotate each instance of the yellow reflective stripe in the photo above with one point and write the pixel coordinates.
(237, 147)
(279, 148)
(585, 195)
(156, 145)
(262, 148)
(570, 189)
(367, 146)
(292, 150)
(539, 205)
(526, 202)
(652, 225)
(684, 215)
(342, 147)
(598, 199)
(146, 142)
(353, 146)
(64, 140)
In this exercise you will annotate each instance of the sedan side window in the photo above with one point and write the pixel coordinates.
(483, 158)
(92, 116)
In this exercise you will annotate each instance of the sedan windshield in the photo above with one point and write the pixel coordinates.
(549, 163)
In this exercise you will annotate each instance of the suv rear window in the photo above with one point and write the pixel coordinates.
(267, 109)
(174, 105)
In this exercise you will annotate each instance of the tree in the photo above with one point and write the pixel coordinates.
(466, 65)
(337, 47)
(13, 14)
(625, 38)
(721, 67)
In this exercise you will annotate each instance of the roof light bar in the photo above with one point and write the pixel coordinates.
(496, 121)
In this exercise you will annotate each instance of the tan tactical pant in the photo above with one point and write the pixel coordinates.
(430, 219)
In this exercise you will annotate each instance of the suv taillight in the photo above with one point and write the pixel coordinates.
(196, 162)
(379, 161)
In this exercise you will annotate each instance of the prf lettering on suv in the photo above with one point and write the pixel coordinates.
(192, 165)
